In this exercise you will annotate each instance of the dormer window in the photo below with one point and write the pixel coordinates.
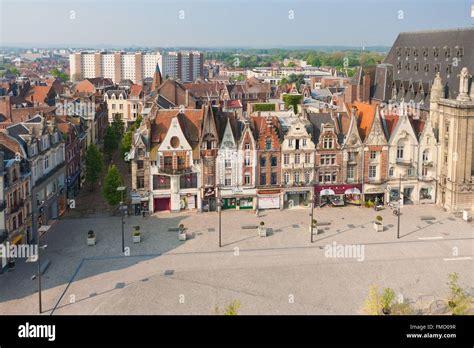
(45, 142)
(435, 52)
(449, 69)
(447, 52)
(328, 143)
(425, 52)
(460, 52)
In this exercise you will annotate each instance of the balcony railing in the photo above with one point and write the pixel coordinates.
(170, 170)
(428, 163)
(404, 162)
(426, 178)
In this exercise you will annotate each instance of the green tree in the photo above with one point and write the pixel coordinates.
(58, 73)
(126, 142)
(293, 100)
(112, 181)
(118, 126)
(94, 165)
(111, 141)
(138, 121)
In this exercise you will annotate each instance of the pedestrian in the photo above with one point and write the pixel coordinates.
(256, 213)
(144, 213)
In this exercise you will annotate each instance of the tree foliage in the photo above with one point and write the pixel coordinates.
(126, 142)
(292, 100)
(112, 181)
(60, 74)
(94, 165)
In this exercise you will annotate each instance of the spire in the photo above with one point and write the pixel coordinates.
(156, 78)
(437, 88)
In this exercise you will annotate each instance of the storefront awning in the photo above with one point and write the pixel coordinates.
(352, 191)
(17, 239)
(327, 192)
(338, 189)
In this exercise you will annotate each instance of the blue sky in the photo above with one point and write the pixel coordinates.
(216, 23)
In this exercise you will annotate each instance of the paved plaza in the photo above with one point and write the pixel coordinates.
(283, 273)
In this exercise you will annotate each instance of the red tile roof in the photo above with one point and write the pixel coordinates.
(135, 90)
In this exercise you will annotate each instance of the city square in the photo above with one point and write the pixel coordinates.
(283, 273)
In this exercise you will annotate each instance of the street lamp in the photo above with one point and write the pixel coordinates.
(219, 209)
(42, 229)
(122, 208)
(312, 201)
(400, 198)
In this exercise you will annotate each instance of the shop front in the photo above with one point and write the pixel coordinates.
(269, 199)
(374, 194)
(338, 195)
(237, 198)
(161, 204)
(294, 198)
(209, 199)
(188, 201)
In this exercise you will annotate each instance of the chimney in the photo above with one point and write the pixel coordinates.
(366, 88)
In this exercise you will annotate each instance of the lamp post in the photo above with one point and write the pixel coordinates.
(43, 228)
(219, 209)
(121, 189)
(313, 201)
(399, 204)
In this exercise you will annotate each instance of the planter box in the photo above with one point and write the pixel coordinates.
(262, 231)
(91, 241)
(182, 236)
(378, 227)
(137, 239)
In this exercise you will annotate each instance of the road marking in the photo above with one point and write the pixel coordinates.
(458, 258)
(430, 238)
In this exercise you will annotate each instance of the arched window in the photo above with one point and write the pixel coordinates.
(268, 144)
(426, 155)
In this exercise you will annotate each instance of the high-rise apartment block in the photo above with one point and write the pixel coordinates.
(185, 66)
(117, 66)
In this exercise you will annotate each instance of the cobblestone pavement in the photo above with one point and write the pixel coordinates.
(283, 273)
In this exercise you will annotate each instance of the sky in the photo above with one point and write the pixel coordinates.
(222, 23)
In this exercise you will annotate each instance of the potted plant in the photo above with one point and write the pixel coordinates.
(378, 225)
(386, 300)
(90, 237)
(136, 234)
(262, 230)
(182, 232)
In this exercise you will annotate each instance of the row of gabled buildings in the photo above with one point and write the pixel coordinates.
(42, 157)
(185, 159)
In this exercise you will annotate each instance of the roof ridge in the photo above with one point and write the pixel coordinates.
(437, 30)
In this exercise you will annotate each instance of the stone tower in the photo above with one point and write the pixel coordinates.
(454, 121)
